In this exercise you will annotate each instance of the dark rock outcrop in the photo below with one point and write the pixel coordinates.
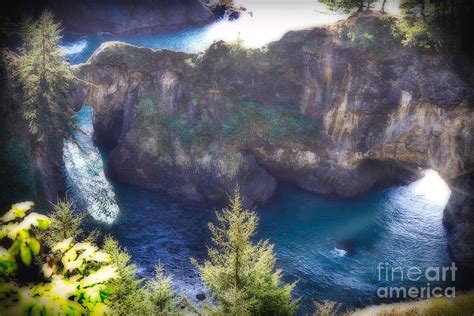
(335, 110)
(118, 16)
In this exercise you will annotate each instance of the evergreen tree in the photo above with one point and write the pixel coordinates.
(347, 5)
(44, 77)
(161, 294)
(241, 274)
(64, 224)
(127, 296)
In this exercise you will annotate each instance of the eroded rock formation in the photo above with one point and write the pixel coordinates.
(334, 110)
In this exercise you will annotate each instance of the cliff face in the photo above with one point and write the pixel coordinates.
(334, 110)
(119, 16)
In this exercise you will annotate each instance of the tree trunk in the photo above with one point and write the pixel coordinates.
(383, 6)
(422, 2)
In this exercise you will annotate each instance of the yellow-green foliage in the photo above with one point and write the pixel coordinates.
(17, 228)
(73, 279)
(423, 26)
(417, 33)
(461, 305)
(241, 274)
(345, 5)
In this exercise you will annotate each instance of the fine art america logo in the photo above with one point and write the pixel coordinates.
(426, 281)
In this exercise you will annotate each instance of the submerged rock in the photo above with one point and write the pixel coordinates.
(201, 296)
(332, 110)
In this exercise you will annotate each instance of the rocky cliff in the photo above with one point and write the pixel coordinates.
(334, 110)
(117, 16)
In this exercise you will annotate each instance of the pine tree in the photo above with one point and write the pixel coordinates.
(347, 5)
(67, 223)
(44, 77)
(128, 297)
(64, 224)
(161, 294)
(241, 274)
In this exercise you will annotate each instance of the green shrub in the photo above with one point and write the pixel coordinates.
(413, 32)
(73, 278)
(250, 121)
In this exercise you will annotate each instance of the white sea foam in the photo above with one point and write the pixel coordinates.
(336, 252)
(87, 184)
(74, 48)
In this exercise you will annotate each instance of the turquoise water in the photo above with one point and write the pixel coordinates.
(331, 247)
(79, 48)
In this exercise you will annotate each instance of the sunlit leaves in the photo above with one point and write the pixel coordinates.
(103, 274)
(13, 230)
(7, 262)
(34, 245)
(25, 254)
(63, 245)
(17, 228)
(17, 210)
(74, 285)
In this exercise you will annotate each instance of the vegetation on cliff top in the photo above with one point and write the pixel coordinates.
(244, 123)
(424, 24)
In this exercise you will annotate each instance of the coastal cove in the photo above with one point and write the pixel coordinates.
(331, 247)
(237, 157)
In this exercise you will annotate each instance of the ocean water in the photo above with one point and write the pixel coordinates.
(331, 247)
(259, 25)
(263, 22)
